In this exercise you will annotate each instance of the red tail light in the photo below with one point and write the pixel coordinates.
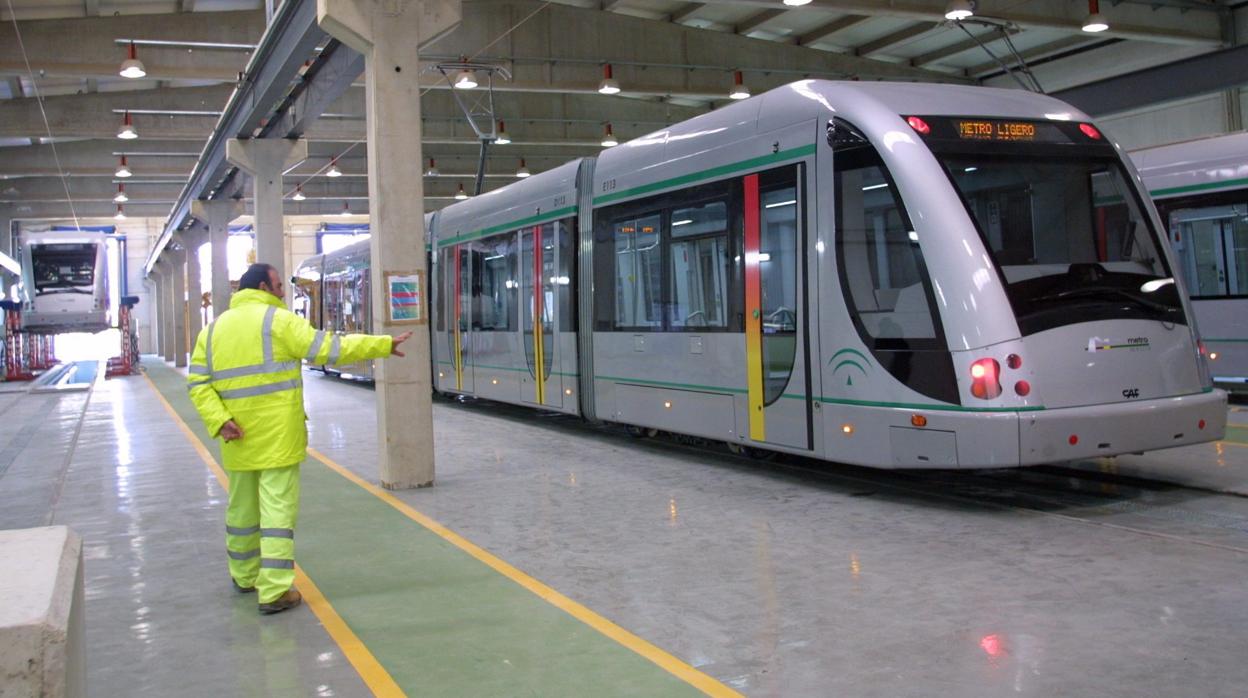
(986, 379)
(918, 125)
(1090, 131)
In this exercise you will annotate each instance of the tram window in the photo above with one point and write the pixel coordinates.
(699, 266)
(567, 280)
(444, 263)
(880, 258)
(638, 273)
(494, 266)
(1211, 241)
(778, 262)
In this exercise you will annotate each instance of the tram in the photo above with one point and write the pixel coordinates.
(890, 275)
(65, 281)
(1200, 189)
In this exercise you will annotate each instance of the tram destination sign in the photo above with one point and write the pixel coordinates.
(955, 129)
(996, 130)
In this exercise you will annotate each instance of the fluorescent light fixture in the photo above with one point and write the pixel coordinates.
(875, 186)
(608, 86)
(778, 204)
(687, 221)
(958, 10)
(132, 67)
(1156, 284)
(972, 168)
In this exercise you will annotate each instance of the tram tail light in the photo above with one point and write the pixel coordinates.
(986, 379)
(918, 125)
(1090, 131)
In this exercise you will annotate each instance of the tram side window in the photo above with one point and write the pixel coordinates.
(495, 289)
(880, 260)
(638, 273)
(778, 263)
(567, 281)
(444, 263)
(699, 266)
(1210, 236)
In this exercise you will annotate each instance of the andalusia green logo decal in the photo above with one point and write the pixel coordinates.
(848, 359)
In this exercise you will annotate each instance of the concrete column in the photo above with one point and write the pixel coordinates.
(160, 275)
(177, 299)
(266, 160)
(387, 34)
(192, 239)
(218, 215)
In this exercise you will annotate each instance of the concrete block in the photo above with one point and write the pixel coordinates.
(42, 650)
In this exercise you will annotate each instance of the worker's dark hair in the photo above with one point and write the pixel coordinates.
(255, 274)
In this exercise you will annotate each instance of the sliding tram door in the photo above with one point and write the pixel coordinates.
(540, 283)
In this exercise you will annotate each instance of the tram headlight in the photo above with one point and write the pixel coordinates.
(986, 379)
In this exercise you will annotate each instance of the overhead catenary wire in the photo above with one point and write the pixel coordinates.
(47, 127)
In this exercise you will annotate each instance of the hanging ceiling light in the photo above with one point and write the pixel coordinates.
(333, 170)
(122, 169)
(433, 169)
(739, 90)
(465, 79)
(958, 10)
(501, 138)
(346, 209)
(523, 171)
(608, 86)
(608, 138)
(132, 67)
(120, 215)
(796, 3)
(298, 196)
(121, 197)
(127, 131)
(1095, 21)
(461, 194)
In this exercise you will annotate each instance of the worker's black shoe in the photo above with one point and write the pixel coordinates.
(284, 602)
(240, 588)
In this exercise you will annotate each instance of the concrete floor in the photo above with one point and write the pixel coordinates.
(789, 579)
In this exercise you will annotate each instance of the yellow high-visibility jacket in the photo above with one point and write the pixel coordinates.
(247, 367)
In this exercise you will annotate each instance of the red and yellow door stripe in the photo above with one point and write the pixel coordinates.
(754, 311)
(539, 361)
(458, 349)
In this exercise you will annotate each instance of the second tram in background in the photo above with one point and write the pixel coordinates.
(65, 280)
(891, 275)
(1201, 191)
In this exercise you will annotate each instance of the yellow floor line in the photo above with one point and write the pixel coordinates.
(370, 670)
(668, 662)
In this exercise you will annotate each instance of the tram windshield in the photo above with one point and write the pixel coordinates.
(1068, 234)
(65, 268)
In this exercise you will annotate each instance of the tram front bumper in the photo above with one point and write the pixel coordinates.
(1072, 433)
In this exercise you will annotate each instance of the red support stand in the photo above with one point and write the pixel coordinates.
(16, 344)
(126, 363)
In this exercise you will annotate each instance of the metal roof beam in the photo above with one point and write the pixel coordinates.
(824, 31)
(1189, 77)
(897, 37)
(994, 34)
(756, 20)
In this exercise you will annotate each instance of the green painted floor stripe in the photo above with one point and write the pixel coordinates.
(440, 621)
(1236, 434)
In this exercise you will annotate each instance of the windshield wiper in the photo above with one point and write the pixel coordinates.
(1107, 290)
(50, 291)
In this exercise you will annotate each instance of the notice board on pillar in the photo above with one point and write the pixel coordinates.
(405, 297)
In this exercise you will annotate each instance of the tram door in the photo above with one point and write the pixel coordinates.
(1213, 244)
(776, 344)
(460, 335)
(539, 282)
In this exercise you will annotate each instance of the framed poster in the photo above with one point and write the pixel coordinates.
(405, 298)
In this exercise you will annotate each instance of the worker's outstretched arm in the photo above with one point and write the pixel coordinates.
(302, 341)
(203, 396)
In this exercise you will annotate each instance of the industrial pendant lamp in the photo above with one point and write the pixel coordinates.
(122, 170)
(1095, 21)
(796, 3)
(333, 170)
(739, 90)
(461, 194)
(433, 169)
(298, 196)
(465, 79)
(502, 138)
(132, 67)
(608, 138)
(127, 131)
(120, 215)
(346, 209)
(958, 10)
(608, 86)
(523, 171)
(121, 197)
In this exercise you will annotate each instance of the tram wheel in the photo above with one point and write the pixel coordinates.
(640, 432)
(759, 454)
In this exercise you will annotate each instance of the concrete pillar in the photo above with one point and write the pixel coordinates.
(160, 275)
(387, 34)
(218, 214)
(177, 299)
(266, 160)
(192, 239)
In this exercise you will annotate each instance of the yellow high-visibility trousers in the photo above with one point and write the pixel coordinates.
(260, 529)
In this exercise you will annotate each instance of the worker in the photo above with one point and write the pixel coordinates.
(245, 381)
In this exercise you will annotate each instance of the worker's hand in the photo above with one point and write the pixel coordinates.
(394, 348)
(231, 431)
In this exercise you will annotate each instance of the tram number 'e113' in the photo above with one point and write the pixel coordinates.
(996, 130)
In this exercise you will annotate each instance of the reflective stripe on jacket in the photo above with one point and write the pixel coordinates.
(247, 367)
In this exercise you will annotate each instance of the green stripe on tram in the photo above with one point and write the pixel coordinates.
(1204, 186)
(752, 163)
(511, 225)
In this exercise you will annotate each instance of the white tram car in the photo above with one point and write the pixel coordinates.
(65, 282)
(1200, 189)
(890, 275)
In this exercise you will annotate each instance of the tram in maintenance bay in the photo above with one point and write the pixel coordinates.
(64, 281)
(889, 275)
(1200, 189)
